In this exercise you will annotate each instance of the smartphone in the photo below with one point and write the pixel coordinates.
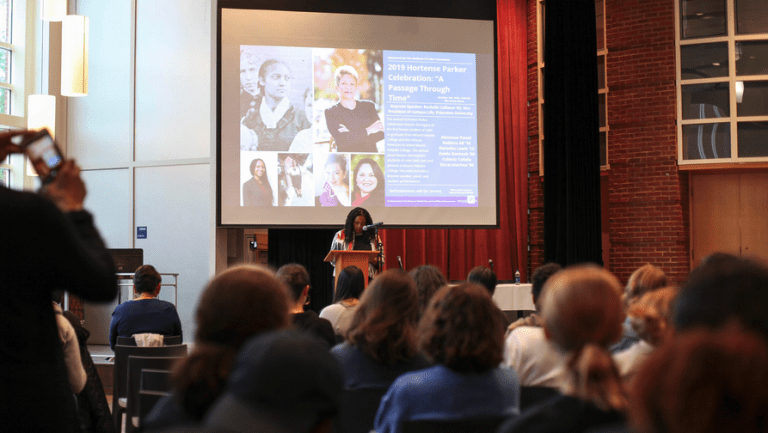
(44, 153)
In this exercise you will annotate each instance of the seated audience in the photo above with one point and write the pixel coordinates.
(349, 287)
(526, 350)
(582, 312)
(723, 288)
(650, 318)
(704, 381)
(429, 279)
(645, 279)
(146, 313)
(484, 276)
(381, 341)
(539, 277)
(239, 303)
(51, 244)
(282, 381)
(296, 279)
(461, 333)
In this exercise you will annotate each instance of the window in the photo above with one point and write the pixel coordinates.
(722, 57)
(602, 86)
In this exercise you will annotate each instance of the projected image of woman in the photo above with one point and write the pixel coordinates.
(336, 186)
(369, 184)
(257, 191)
(354, 124)
(274, 119)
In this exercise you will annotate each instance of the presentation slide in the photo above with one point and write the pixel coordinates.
(394, 114)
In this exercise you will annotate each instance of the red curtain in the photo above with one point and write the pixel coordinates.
(457, 251)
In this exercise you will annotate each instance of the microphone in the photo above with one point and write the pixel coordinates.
(399, 260)
(490, 262)
(374, 225)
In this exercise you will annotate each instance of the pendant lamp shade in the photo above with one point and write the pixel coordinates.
(42, 113)
(74, 55)
(54, 10)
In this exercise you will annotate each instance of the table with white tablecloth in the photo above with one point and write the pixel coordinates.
(514, 297)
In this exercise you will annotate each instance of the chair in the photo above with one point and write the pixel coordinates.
(155, 384)
(136, 365)
(469, 425)
(120, 384)
(533, 395)
(357, 409)
(169, 340)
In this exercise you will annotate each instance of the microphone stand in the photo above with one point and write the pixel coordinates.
(380, 247)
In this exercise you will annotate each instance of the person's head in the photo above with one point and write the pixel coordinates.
(703, 381)
(281, 381)
(368, 177)
(463, 329)
(651, 314)
(296, 279)
(645, 279)
(259, 169)
(539, 277)
(357, 218)
(346, 82)
(274, 79)
(384, 324)
(582, 311)
(238, 303)
(249, 77)
(146, 279)
(722, 288)
(336, 170)
(484, 276)
(350, 284)
(309, 100)
(429, 279)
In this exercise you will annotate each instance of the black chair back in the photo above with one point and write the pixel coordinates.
(120, 384)
(357, 409)
(125, 341)
(136, 364)
(155, 384)
(470, 425)
(533, 395)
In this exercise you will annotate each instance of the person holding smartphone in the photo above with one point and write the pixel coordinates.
(50, 243)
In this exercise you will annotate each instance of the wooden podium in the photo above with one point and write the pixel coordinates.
(344, 258)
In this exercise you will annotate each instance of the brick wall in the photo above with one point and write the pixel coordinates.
(648, 195)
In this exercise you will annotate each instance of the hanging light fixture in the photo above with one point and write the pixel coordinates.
(54, 10)
(42, 113)
(74, 55)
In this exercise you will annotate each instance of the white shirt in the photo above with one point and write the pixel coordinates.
(535, 359)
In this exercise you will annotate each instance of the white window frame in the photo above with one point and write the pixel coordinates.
(730, 39)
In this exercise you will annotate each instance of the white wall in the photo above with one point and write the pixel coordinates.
(144, 136)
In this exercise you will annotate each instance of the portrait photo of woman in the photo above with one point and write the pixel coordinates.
(275, 113)
(354, 124)
(257, 191)
(368, 179)
(295, 179)
(335, 188)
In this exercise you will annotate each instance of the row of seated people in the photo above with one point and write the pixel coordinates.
(702, 363)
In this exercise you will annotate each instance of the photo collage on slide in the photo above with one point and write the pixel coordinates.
(311, 127)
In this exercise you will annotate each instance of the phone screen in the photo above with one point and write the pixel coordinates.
(44, 155)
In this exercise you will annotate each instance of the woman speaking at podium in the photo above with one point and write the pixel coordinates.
(353, 237)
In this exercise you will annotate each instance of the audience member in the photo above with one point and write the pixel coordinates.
(704, 381)
(54, 246)
(381, 342)
(582, 312)
(650, 318)
(241, 302)
(722, 288)
(539, 277)
(283, 381)
(349, 287)
(146, 314)
(296, 279)
(461, 332)
(645, 279)
(484, 276)
(429, 279)
(71, 347)
(528, 351)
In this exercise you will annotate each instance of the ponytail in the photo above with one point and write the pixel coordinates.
(596, 380)
(200, 378)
